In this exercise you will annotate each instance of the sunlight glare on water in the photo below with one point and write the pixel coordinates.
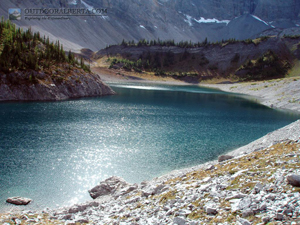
(54, 152)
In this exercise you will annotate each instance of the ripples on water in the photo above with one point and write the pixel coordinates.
(53, 152)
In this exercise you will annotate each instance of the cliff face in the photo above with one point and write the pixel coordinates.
(165, 19)
(38, 86)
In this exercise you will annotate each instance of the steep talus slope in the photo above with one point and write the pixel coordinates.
(165, 19)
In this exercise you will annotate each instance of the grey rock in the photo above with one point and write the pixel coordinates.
(238, 195)
(263, 206)
(222, 158)
(126, 190)
(108, 187)
(78, 208)
(18, 221)
(81, 220)
(244, 221)
(271, 196)
(18, 200)
(210, 167)
(179, 221)
(245, 203)
(154, 190)
(205, 187)
(279, 216)
(265, 219)
(211, 211)
(294, 180)
(67, 217)
(257, 188)
(247, 212)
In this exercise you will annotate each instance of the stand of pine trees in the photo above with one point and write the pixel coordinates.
(25, 50)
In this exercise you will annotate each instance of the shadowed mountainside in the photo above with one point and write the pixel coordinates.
(262, 58)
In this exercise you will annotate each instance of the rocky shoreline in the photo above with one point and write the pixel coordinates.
(278, 93)
(251, 188)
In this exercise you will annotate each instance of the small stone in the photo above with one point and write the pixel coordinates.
(222, 158)
(179, 221)
(17, 221)
(294, 180)
(209, 167)
(211, 211)
(245, 203)
(263, 206)
(244, 221)
(279, 216)
(18, 200)
(265, 219)
(206, 179)
(257, 188)
(247, 212)
(81, 221)
(235, 196)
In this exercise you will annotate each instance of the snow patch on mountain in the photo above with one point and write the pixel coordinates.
(259, 19)
(214, 20)
(189, 20)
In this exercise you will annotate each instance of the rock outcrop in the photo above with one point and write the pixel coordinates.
(39, 86)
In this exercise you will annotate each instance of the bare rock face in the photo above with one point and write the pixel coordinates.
(18, 200)
(108, 187)
(38, 86)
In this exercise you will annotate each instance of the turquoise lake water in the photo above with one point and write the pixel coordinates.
(53, 152)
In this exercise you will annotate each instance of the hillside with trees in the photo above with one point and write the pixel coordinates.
(33, 68)
(25, 50)
(252, 59)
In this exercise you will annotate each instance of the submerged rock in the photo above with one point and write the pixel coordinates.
(18, 200)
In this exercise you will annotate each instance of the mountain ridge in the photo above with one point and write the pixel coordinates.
(170, 19)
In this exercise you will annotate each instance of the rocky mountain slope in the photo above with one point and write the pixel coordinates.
(262, 58)
(165, 19)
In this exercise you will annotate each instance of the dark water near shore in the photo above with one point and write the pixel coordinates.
(53, 152)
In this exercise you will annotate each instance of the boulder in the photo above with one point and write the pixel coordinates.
(108, 187)
(18, 200)
(294, 180)
(222, 158)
